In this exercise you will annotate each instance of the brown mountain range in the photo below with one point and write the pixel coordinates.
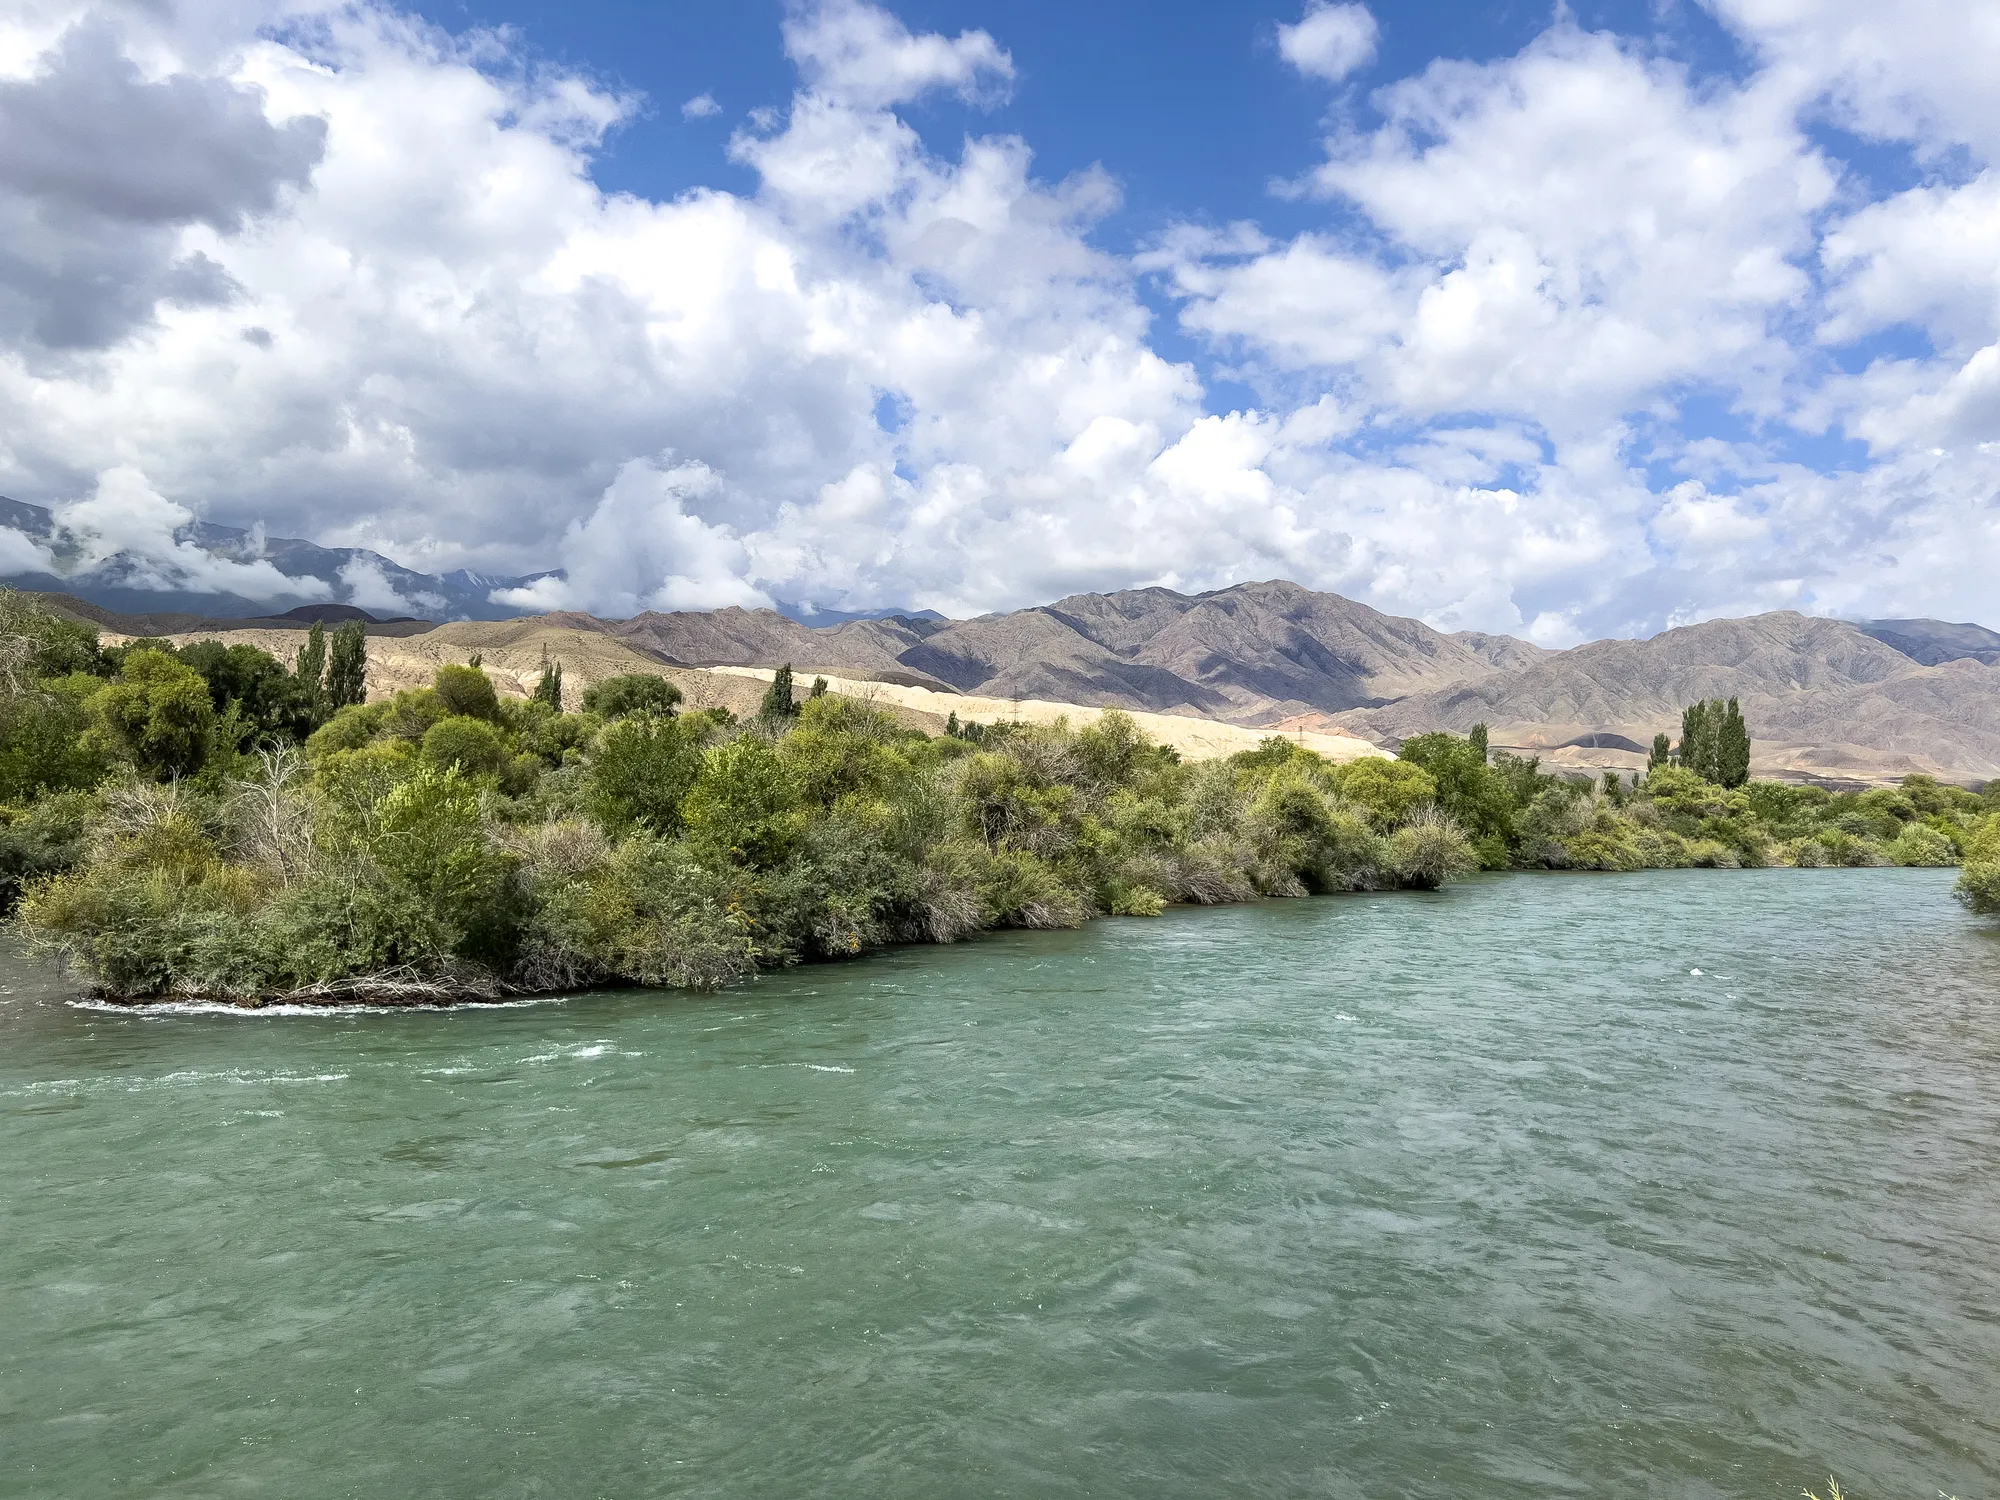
(1824, 697)
(1253, 654)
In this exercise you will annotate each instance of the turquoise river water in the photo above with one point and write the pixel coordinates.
(1680, 1184)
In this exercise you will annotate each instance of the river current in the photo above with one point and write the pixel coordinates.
(1679, 1184)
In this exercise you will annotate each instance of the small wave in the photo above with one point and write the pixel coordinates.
(827, 1068)
(114, 1083)
(164, 1008)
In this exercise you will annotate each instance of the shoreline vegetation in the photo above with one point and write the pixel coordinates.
(206, 822)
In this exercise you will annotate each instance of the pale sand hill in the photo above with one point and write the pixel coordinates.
(1196, 739)
(512, 652)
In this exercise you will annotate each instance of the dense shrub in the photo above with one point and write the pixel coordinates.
(157, 714)
(166, 831)
(472, 745)
(631, 693)
(467, 691)
(1921, 845)
(642, 771)
(1979, 887)
(45, 743)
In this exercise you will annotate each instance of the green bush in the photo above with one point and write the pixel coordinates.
(631, 693)
(1428, 851)
(350, 728)
(410, 714)
(1978, 887)
(470, 744)
(46, 838)
(45, 740)
(415, 851)
(467, 691)
(648, 912)
(641, 771)
(744, 804)
(1919, 845)
(157, 714)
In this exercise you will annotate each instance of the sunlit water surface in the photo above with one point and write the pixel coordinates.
(1676, 1184)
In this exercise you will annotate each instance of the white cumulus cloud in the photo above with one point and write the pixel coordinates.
(1329, 41)
(1578, 344)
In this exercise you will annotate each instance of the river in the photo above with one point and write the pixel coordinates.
(1678, 1184)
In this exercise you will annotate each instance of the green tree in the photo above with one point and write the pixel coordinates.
(44, 744)
(427, 837)
(1471, 793)
(631, 693)
(36, 642)
(1732, 748)
(1476, 737)
(158, 714)
(309, 666)
(1389, 789)
(347, 666)
(1698, 741)
(745, 802)
(470, 744)
(467, 690)
(1715, 744)
(1662, 754)
(642, 769)
(271, 704)
(778, 704)
(818, 688)
(549, 689)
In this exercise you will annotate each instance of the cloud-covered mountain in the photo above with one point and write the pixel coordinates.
(135, 554)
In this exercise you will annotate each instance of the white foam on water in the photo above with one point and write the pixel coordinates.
(159, 1009)
(116, 1083)
(827, 1068)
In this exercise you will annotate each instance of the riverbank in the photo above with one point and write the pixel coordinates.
(372, 995)
(205, 822)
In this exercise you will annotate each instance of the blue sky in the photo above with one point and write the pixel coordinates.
(1565, 321)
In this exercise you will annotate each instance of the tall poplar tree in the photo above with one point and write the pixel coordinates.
(1732, 759)
(550, 689)
(310, 665)
(1698, 739)
(347, 666)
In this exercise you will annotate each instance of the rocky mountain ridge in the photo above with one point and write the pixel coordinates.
(1825, 697)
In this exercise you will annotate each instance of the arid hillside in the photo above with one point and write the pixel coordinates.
(1825, 698)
